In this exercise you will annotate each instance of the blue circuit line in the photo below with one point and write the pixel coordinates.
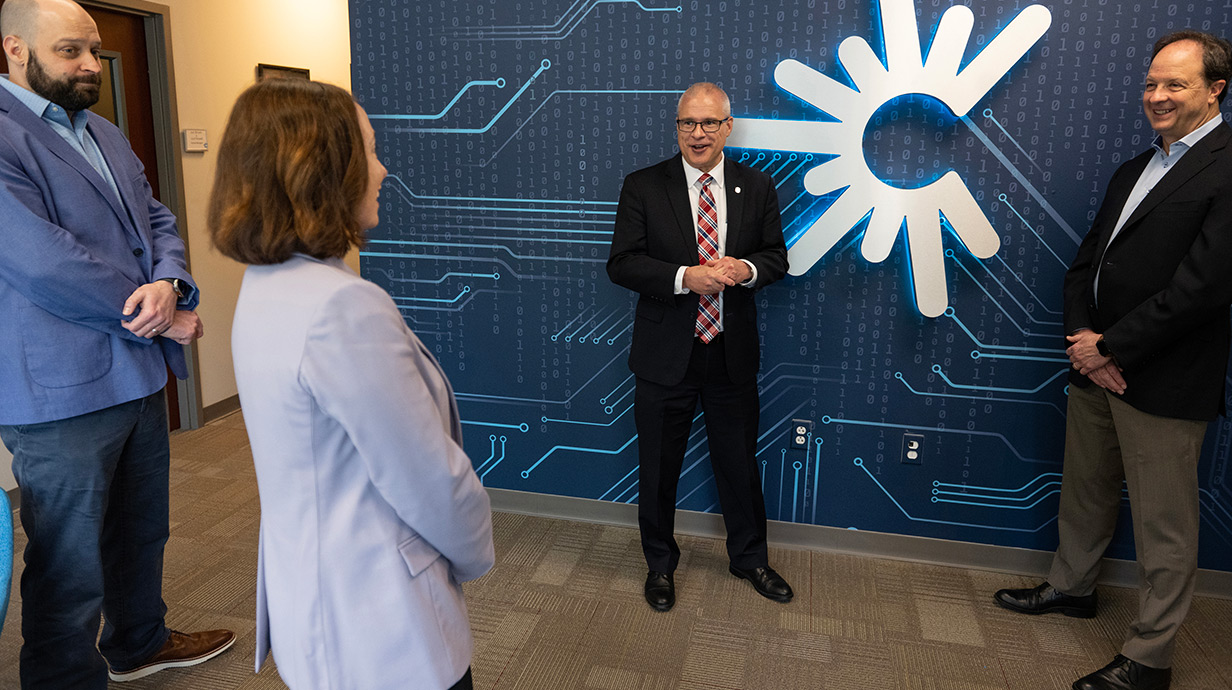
(1024, 286)
(977, 355)
(498, 83)
(1013, 499)
(618, 483)
(950, 253)
(989, 114)
(465, 289)
(496, 33)
(398, 179)
(1020, 489)
(567, 325)
(552, 95)
(615, 312)
(1002, 285)
(598, 451)
(816, 476)
(523, 427)
(612, 392)
(452, 274)
(542, 240)
(899, 375)
(569, 338)
(468, 245)
(936, 368)
(544, 65)
(1005, 199)
(502, 459)
(993, 505)
(949, 311)
(1039, 198)
(524, 228)
(491, 455)
(481, 397)
(786, 162)
(860, 463)
(827, 419)
(574, 422)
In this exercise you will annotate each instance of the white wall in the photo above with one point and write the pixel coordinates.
(217, 46)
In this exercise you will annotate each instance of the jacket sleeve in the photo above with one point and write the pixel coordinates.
(48, 266)
(365, 372)
(771, 255)
(1200, 290)
(629, 263)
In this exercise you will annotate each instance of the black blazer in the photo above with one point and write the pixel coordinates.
(655, 236)
(1166, 282)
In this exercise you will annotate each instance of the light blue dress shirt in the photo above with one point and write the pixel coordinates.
(72, 131)
(1156, 168)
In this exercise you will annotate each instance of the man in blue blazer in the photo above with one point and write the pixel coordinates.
(96, 302)
(1146, 310)
(695, 237)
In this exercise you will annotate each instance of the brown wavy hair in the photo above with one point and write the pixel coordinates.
(291, 174)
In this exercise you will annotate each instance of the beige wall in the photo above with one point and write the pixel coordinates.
(217, 45)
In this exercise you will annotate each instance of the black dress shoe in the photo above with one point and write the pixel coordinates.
(768, 583)
(660, 591)
(1126, 674)
(1047, 599)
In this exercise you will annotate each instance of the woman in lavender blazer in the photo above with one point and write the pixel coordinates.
(371, 514)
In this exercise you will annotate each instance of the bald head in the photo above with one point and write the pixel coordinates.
(20, 18)
(52, 49)
(704, 88)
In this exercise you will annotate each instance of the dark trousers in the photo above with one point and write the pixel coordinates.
(465, 684)
(664, 415)
(95, 509)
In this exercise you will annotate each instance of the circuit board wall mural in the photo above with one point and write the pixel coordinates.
(936, 174)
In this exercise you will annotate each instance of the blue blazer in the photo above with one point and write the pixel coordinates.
(70, 255)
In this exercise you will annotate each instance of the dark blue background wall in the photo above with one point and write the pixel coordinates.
(508, 126)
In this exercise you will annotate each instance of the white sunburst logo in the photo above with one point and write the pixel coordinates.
(906, 72)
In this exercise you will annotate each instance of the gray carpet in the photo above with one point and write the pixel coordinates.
(563, 609)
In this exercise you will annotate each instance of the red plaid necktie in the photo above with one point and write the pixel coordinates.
(707, 326)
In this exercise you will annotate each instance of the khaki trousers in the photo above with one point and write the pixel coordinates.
(1107, 441)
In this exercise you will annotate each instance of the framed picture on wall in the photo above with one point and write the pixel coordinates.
(279, 72)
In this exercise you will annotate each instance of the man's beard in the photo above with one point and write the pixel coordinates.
(66, 93)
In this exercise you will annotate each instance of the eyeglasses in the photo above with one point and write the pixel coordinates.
(708, 126)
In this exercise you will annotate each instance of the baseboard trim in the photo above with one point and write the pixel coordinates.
(221, 409)
(1005, 559)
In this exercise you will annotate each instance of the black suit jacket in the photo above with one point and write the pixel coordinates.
(655, 236)
(1166, 282)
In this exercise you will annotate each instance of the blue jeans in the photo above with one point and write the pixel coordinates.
(94, 507)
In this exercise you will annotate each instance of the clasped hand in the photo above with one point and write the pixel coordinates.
(1084, 356)
(716, 275)
(158, 315)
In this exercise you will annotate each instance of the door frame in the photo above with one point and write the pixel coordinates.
(157, 21)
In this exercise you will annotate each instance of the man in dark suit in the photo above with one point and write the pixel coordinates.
(695, 237)
(1146, 309)
(96, 301)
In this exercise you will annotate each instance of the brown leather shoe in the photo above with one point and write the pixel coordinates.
(180, 650)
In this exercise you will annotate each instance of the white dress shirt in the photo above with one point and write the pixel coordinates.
(717, 188)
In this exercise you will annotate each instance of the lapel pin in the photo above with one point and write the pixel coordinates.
(737, 190)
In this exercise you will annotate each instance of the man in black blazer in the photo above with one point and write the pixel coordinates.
(1146, 310)
(695, 332)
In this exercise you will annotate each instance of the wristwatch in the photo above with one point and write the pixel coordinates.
(178, 285)
(1103, 347)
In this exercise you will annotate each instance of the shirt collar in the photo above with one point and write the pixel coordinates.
(1186, 142)
(692, 174)
(42, 107)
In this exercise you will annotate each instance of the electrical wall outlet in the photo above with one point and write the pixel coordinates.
(913, 449)
(798, 433)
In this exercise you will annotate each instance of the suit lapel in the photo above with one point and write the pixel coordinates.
(678, 197)
(43, 132)
(1192, 163)
(733, 181)
(116, 156)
